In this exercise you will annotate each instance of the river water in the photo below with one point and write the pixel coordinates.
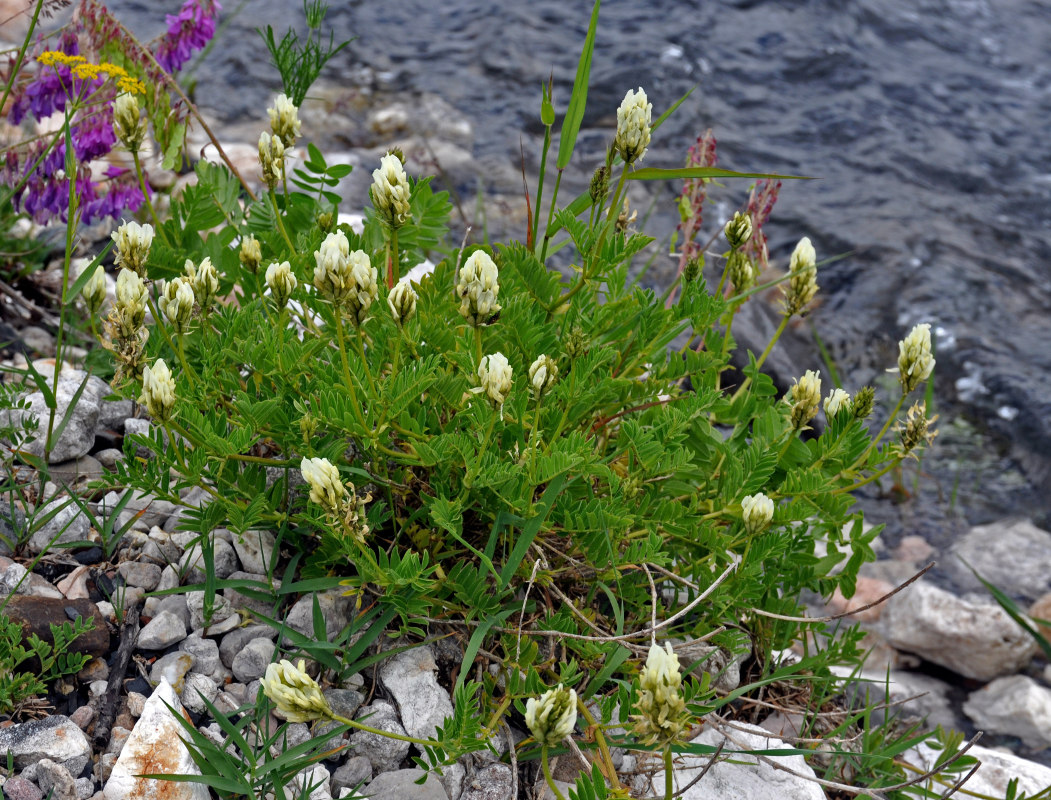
(925, 120)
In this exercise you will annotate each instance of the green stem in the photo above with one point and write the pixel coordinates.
(547, 774)
(146, 196)
(669, 775)
(477, 345)
(472, 473)
(351, 388)
(20, 58)
(168, 340)
(883, 432)
(181, 352)
(550, 216)
(762, 358)
(874, 476)
(540, 189)
(387, 734)
(395, 265)
(365, 364)
(281, 223)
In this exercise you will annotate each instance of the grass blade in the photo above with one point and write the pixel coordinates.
(658, 174)
(575, 111)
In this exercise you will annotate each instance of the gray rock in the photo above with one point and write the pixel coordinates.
(138, 573)
(996, 771)
(109, 457)
(221, 610)
(85, 788)
(383, 753)
(352, 774)
(335, 608)
(316, 777)
(1016, 706)
(12, 527)
(412, 679)
(492, 783)
(54, 737)
(243, 602)
(233, 642)
(194, 687)
(83, 415)
(171, 669)
(146, 509)
(174, 604)
(976, 639)
(1014, 555)
(76, 471)
(252, 661)
(143, 427)
(66, 524)
(223, 561)
(16, 579)
(452, 780)
(401, 784)
(169, 579)
(114, 413)
(55, 779)
(344, 702)
(746, 777)
(255, 549)
(162, 631)
(205, 654)
(920, 696)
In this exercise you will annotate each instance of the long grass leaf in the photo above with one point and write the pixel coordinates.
(681, 173)
(575, 111)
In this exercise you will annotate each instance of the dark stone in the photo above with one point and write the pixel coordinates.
(36, 614)
(140, 685)
(92, 555)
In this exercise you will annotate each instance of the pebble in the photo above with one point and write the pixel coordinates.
(55, 737)
(143, 575)
(255, 550)
(55, 780)
(65, 525)
(233, 642)
(252, 661)
(356, 771)
(171, 669)
(382, 752)
(1016, 706)
(412, 679)
(402, 783)
(162, 632)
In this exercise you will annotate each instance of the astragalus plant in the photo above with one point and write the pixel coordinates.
(563, 474)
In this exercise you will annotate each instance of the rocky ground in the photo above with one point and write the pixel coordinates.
(947, 653)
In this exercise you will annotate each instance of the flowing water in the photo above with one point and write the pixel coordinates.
(925, 121)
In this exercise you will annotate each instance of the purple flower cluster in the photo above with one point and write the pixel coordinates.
(188, 31)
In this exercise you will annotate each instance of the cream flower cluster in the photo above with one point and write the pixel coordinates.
(805, 398)
(127, 124)
(130, 310)
(757, 511)
(271, 159)
(326, 487)
(660, 703)
(284, 120)
(542, 375)
(477, 288)
(94, 291)
(837, 400)
(633, 126)
(346, 278)
(552, 716)
(390, 191)
(402, 302)
(204, 279)
(176, 303)
(802, 280)
(915, 361)
(495, 378)
(132, 242)
(296, 695)
(281, 282)
(158, 391)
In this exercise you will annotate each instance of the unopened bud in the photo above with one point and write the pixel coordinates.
(402, 302)
(738, 230)
(740, 271)
(599, 187)
(281, 282)
(692, 270)
(864, 401)
(94, 291)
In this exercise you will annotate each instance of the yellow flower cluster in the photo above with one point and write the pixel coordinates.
(83, 70)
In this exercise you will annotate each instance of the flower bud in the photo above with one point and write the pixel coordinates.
(916, 429)
(805, 397)
(757, 510)
(326, 488)
(296, 695)
(738, 230)
(802, 280)
(915, 362)
(495, 378)
(284, 120)
(577, 343)
(158, 391)
(363, 287)
(837, 401)
(633, 126)
(204, 279)
(740, 271)
(402, 302)
(271, 159)
(131, 303)
(281, 282)
(94, 291)
(133, 242)
(477, 288)
(251, 254)
(863, 403)
(390, 191)
(542, 375)
(552, 717)
(127, 124)
(692, 270)
(176, 303)
(599, 187)
(660, 704)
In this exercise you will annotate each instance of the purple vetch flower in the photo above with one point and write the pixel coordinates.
(188, 31)
(93, 136)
